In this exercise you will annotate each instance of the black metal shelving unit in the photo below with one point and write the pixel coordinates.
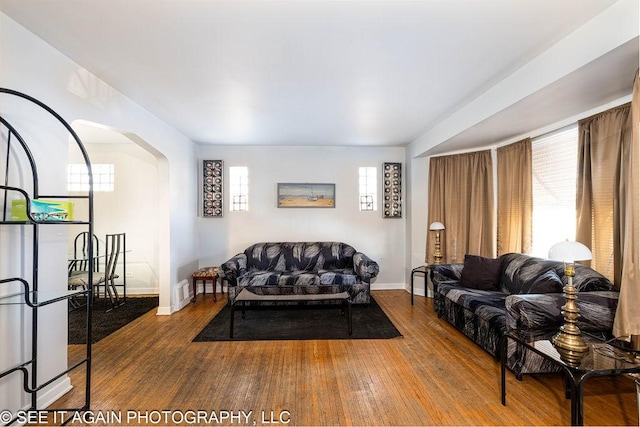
(29, 288)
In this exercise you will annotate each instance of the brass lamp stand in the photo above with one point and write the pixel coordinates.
(569, 341)
(437, 254)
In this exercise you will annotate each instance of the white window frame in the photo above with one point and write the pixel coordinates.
(368, 188)
(103, 177)
(238, 188)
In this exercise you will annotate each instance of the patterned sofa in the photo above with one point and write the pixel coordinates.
(284, 268)
(518, 291)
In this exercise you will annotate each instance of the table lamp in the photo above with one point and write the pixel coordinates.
(569, 341)
(437, 227)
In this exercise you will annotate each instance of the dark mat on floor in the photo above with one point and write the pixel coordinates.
(106, 322)
(300, 323)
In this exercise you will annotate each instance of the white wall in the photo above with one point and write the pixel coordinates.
(381, 239)
(32, 66)
(418, 185)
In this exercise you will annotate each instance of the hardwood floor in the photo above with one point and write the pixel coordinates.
(433, 375)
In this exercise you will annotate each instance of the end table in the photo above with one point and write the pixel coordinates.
(601, 359)
(204, 274)
(424, 270)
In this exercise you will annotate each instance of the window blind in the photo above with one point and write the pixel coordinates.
(554, 159)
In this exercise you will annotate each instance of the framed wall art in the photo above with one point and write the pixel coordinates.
(212, 188)
(291, 195)
(392, 190)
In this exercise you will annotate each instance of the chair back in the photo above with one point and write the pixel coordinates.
(81, 252)
(114, 246)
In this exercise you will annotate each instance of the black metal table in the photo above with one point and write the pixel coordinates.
(601, 359)
(423, 269)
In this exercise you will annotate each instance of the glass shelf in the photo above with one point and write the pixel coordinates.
(39, 298)
(44, 222)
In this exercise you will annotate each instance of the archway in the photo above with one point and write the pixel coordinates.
(139, 205)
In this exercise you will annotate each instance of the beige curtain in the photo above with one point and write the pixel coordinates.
(515, 199)
(461, 197)
(601, 145)
(627, 321)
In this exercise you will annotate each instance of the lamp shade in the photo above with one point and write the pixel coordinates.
(569, 252)
(436, 226)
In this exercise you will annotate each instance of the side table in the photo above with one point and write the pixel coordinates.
(424, 270)
(601, 359)
(204, 274)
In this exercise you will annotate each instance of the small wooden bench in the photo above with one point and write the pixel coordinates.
(204, 274)
(246, 296)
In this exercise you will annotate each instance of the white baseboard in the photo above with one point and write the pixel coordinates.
(387, 286)
(163, 311)
(54, 392)
(182, 294)
(143, 291)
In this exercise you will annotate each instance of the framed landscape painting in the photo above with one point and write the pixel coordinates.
(291, 195)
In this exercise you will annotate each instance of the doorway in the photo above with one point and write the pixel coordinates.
(136, 205)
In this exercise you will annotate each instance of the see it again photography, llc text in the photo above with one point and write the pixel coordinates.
(159, 417)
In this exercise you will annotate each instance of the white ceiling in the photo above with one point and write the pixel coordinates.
(374, 73)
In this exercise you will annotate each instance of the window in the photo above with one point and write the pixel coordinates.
(239, 188)
(554, 165)
(78, 177)
(368, 188)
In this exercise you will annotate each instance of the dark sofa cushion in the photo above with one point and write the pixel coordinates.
(548, 282)
(445, 272)
(588, 280)
(544, 311)
(480, 273)
(480, 315)
(293, 256)
(521, 271)
(338, 277)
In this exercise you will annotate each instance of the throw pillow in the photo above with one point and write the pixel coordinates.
(480, 273)
(549, 282)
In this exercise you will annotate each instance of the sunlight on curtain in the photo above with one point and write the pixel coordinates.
(627, 321)
(598, 197)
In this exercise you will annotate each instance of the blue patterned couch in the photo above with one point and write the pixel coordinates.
(527, 296)
(285, 268)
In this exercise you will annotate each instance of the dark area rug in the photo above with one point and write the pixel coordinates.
(106, 322)
(300, 323)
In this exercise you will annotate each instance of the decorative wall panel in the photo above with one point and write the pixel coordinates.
(392, 190)
(212, 188)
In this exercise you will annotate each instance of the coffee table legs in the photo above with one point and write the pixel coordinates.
(575, 383)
